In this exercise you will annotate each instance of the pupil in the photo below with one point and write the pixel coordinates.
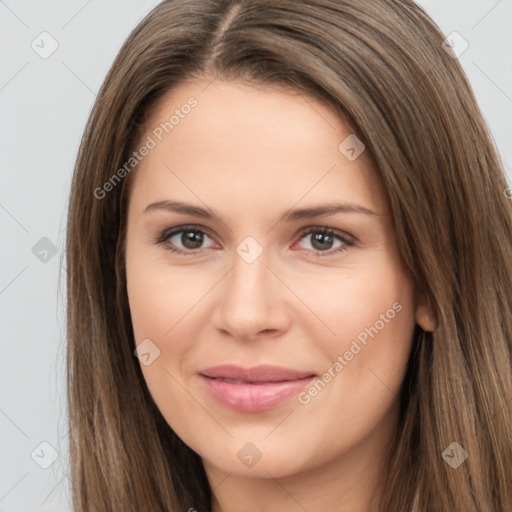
(322, 238)
(191, 239)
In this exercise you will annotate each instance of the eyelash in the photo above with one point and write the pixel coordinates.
(167, 234)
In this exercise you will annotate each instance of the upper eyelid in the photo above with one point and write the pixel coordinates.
(166, 233)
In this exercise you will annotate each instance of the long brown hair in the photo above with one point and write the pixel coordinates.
(381, 65)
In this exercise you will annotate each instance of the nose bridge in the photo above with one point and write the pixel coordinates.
(249, 279)
(248, 303)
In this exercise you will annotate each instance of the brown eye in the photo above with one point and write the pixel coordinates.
(186, 240)
(191, 239)
(323, 239)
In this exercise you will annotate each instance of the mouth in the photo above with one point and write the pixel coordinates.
(254, 389)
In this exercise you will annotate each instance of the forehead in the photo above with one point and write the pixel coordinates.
(272, 115)
(228, 139)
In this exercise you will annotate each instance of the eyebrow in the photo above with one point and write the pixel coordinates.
(292, 215)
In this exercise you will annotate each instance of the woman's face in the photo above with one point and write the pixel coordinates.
(242, 171)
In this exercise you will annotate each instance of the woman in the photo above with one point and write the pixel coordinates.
(334, 331)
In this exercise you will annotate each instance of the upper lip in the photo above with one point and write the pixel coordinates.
(261, 373)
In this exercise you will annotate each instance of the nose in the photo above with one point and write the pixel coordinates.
(251, 301)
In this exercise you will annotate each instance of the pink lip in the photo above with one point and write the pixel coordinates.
(254, 389)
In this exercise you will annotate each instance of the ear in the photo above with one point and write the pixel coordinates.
(425, 317)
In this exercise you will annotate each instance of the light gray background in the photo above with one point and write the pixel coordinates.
(44, 104)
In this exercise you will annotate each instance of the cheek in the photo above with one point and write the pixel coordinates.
(158, 297)
(159, 310)
(147, 304)
(371, 314)
(365, 362)
(164, 304)
(349, 304)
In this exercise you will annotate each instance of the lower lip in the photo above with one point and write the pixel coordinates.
(254, 397)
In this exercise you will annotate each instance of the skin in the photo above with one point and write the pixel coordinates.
(250, 154)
